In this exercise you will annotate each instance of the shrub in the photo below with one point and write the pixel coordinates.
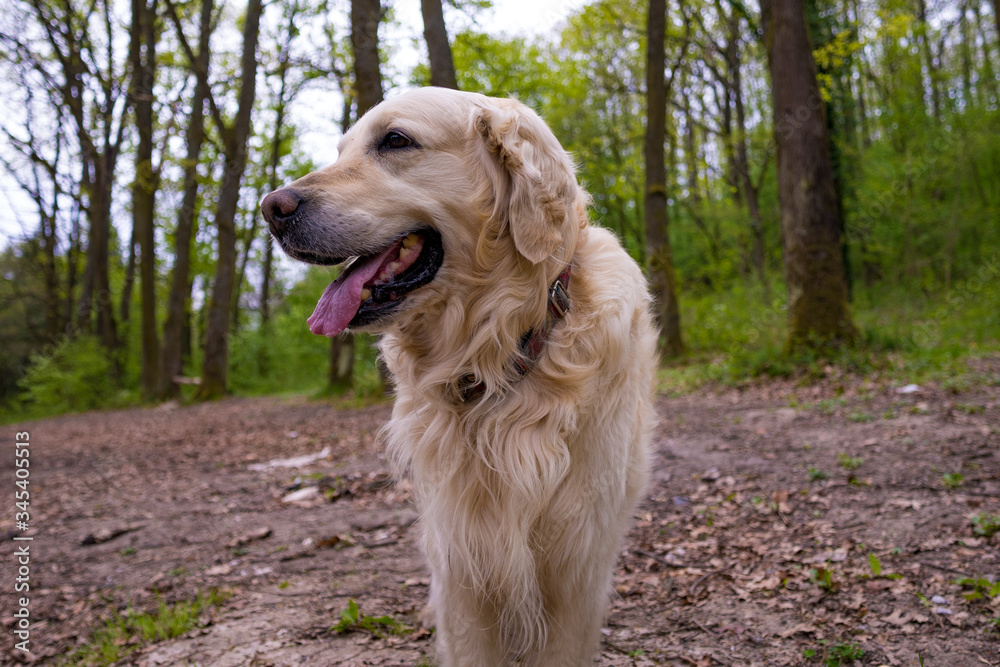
(75, 375)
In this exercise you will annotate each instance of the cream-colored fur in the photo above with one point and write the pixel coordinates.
(526, 493)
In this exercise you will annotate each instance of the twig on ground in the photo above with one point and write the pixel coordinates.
(705, 577)
(944, 569)
(660, 559)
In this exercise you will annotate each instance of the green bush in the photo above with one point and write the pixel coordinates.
(75, 375)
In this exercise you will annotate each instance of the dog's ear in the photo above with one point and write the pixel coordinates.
(533, 179)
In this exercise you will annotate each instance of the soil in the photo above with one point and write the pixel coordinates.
(785, 525)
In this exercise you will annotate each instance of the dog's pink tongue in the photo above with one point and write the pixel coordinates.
(342, 298)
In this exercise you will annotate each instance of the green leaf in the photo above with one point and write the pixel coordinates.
(875, 564)
(351, 614)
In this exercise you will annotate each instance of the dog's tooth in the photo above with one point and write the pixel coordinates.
(403, 252)
(366, 294)
(410, 240)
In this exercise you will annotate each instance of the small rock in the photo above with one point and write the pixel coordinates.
(937, 599)
(302, 495)
(941, 610)
(259, 534)
(908, 389)
(107, 534)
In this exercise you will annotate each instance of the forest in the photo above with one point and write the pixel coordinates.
(139, 139)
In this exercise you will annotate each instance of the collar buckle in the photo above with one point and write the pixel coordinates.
(558, 298)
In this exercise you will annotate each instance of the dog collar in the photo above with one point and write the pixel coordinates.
(533, 341)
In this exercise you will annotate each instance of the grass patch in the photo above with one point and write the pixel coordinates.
(738, 336)
(985, 524)
(816, 475)
(848, 462)
(835, 655)
(130, 630)
(352, 620)
(952, 480)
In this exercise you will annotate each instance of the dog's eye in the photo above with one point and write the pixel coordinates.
(395, 140)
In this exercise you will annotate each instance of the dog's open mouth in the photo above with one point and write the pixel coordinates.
(371, 287)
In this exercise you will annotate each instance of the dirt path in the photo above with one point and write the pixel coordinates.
(743, 553)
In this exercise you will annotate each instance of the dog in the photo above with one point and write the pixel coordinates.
(523, 351)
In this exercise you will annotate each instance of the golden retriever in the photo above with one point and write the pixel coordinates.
(461, 211)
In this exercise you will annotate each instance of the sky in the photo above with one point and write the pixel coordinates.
(513, 17)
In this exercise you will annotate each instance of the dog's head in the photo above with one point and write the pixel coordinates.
(433, 191)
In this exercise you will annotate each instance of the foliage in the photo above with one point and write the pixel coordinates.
(876, 567)
(980, 588)
(912, 102)
(823, 578)
(284, 356)
(129, 631)
(986, 524)
(953, 480)
(848, 462)
(73, 376)
(352, 620)
(837, 654)
(816, 475)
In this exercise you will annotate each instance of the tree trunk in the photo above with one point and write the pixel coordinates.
(365, 17)
(965, 51)
(276, 138)
(106, 328)
(810, 217)
(241, 269)
(436, 36)
(145, 185)
(98, 160)
(215, 368)
(265, 286)
(176, 329)
(925, 51)
(272, 168)
(996, 19)
(661, 266)
(72, 265)
(341, 376)
(50, 269)
(750, 195)
(987, 78)
(125, 307)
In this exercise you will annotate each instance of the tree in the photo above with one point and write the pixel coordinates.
(41, 182)
(91, 91)
(996, 19)
(810, 215)
(365, 18)
(180, 282)
(661, 266)
(438, 48)
(145, 183)
(234, 141)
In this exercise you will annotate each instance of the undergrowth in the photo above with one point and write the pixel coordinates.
(738, 337)
(132, 629)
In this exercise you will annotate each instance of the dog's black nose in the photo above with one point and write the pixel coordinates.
(279, 208)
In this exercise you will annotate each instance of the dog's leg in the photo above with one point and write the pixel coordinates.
(465, 637)
(575, 618)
